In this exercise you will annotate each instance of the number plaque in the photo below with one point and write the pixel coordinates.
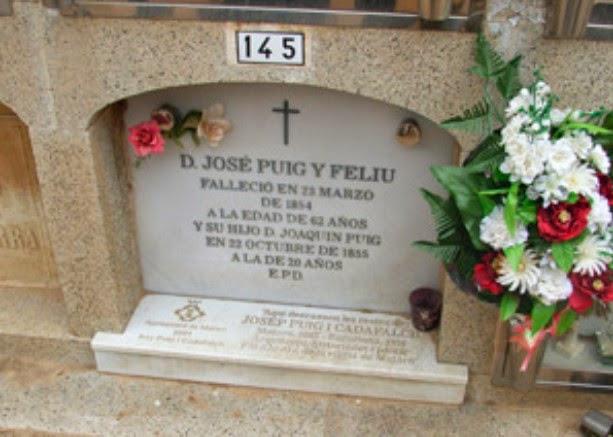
(257, 47)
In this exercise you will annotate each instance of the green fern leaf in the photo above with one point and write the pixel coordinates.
(445, 218)
(446, 253)
(477, 119)
(507, 81)
(489, 62)
(487, 157)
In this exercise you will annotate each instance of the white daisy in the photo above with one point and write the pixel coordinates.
(581, 143)
(581, 179)
(598, 157)
(558, 115)
(550, 188)
(560, 157)
(592, 256)
(552, 285)
(526, 276)
(493, 231)
(600, 214)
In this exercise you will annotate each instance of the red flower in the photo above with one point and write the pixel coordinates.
(605, 187)
(563, 221)
(146, 138)
(586, 288)
(484, 274)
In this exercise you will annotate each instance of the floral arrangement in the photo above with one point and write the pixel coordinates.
(527, 224)
(166, 123)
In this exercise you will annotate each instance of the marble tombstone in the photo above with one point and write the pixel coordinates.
(283, 258)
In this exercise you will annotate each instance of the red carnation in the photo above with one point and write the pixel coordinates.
(586, 288)
(563, 221)
(146, 138)
(605, 187)
(484, 274)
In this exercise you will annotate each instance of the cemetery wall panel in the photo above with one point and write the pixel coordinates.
(61, 72)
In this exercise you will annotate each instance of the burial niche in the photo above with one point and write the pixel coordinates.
(25, 253)
(310, 198)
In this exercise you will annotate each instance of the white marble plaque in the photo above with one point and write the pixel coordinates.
(326, 219)
(280, 346)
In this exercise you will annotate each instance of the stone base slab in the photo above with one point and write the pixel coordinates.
(280, 346)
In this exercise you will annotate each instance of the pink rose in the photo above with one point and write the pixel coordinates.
(146, 138)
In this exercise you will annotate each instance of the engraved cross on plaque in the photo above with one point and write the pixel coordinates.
(286, 110)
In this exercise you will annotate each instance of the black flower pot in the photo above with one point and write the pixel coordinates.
(426, 306)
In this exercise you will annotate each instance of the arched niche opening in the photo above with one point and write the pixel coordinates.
(313, 202)
(26, 258)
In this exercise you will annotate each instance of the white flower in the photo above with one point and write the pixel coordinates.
(600, 214)
(523, 163)
(542, 89)
(598, 157)
(592, 256)
(560, 157)
(550, 188)
(493, 231)
(581, 143)
(552, 285)
(581, 179)
(521, 102)
(526, 276)
(557, 115)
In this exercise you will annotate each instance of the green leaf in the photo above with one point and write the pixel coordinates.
(572, 198)
(446, 253)
(487, 204)
(489, 62)
(541, 315)
(527, 211)
(508, 305)
(588, 127)
(567, 319)
(563, 254)
(445, 218)
(487, 160)
(507, 81)
(514, 255)
(464, 187)
(510, 208)
(477, 119)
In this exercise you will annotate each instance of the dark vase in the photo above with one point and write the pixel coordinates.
(426, 305)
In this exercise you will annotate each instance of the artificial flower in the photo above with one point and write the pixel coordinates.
(164, 118)
(560, 157)
(493, 231)
(563, 221)
(581, 179)
(552, 286)
(524, 278)
(213, 126)
(586, 288)
(557, 116)
(592, 255)
(600, 214)
(581, 144)
(146, 138)
(605, 187)
(549, 188)
(598, 157)
(484, 273)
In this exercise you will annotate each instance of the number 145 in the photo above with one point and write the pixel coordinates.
(270, 48)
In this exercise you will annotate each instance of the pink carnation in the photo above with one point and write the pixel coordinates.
(146, 138)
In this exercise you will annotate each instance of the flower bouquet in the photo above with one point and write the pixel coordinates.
(166, 123)
(527, 225)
